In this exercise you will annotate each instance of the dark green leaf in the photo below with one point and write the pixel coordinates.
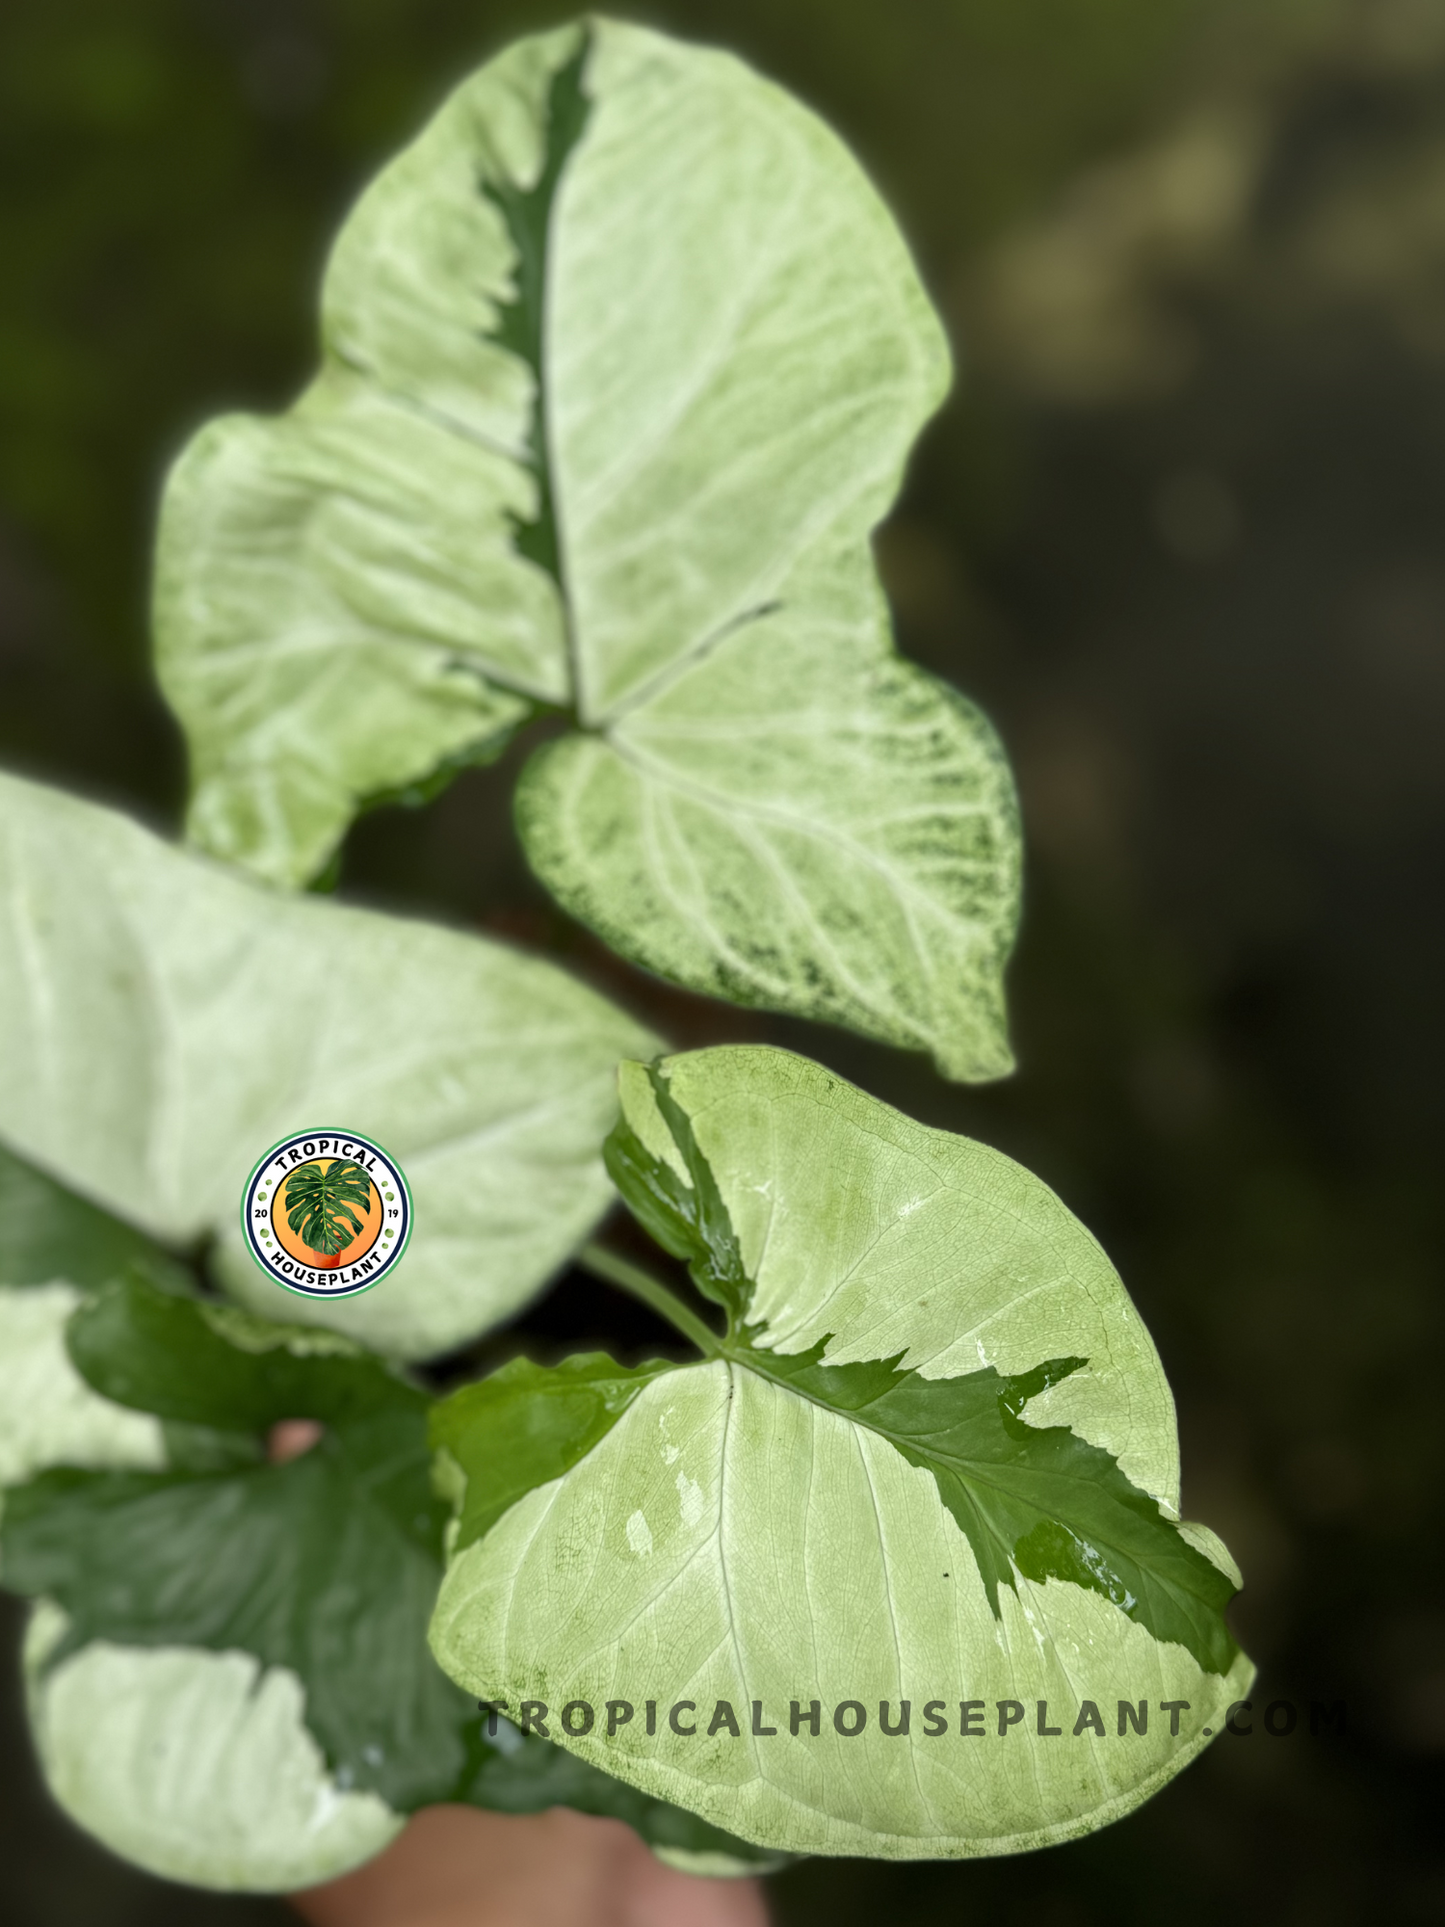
(214, 1365)
(328, 1566)
(688, 1219)
(48, 1233)
(526, 1424)
(204, 1448)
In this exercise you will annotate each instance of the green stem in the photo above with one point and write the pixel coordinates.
(631, 1278)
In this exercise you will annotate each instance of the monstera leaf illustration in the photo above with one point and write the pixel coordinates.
(319, 1198)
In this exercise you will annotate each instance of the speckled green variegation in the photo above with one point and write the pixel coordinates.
(623, 359)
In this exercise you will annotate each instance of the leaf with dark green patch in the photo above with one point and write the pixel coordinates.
(325, 1566)
(932, 1461)
(685, 1214)
(521, 317)
(1030, 1499)
(56, 1247)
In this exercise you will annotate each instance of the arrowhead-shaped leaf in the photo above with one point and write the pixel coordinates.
(162, 1023)
(623, 361)
(931, 1462)
(285, 1604)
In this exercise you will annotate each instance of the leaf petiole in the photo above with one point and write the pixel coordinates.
(632, 1278)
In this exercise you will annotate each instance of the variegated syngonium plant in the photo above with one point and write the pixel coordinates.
(896, 1568)
(622, 361)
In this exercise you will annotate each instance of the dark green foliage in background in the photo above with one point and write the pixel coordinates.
(1179, 532)
(47, 1233)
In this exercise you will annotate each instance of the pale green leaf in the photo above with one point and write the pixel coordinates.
(349, 648)
(196, 1765)
(163, 1022)
(932, 1460)
(54, 1248)
(48, 1414)
(624, 360)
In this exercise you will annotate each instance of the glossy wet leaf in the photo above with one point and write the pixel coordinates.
(933, 1460)
(624, 358)
(163, 1022)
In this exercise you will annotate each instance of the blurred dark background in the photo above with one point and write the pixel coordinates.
(1181, 530)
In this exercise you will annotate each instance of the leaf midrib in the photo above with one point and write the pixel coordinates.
(748, 1357)
(969, 1478)
(814, 828)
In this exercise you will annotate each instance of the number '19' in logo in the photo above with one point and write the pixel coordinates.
(326, 1213)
